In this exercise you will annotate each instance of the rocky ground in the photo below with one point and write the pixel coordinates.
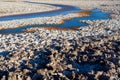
(90, 53)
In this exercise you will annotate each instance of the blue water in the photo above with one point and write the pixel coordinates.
(96, 14)
(4, 53)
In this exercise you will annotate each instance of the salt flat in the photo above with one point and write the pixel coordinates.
(91, 52)
(20, 7)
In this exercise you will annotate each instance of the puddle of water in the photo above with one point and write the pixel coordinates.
(4, 53)
(87, 67)
(96, 14)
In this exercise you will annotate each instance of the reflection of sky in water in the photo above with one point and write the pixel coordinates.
(96, 14)
(84, 68)
(4, 53)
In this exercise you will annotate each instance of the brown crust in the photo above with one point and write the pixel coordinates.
(84, 13)
(59, 28)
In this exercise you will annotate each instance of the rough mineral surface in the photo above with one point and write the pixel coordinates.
(90, 53)
(19, 7)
